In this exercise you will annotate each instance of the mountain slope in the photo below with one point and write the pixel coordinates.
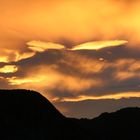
(27, 115)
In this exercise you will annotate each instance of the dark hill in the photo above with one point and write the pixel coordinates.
(27, 115)
(121, 125)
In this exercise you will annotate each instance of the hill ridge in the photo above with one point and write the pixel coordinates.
(26, 114)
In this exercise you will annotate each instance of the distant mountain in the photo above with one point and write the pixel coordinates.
(27, 115)
(121, 125)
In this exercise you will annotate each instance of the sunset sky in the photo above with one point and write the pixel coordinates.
(83, 55)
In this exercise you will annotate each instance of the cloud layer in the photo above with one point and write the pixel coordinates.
(68, 21)
(72, 75)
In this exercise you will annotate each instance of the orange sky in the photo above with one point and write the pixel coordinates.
(77, 21)
(71, 50)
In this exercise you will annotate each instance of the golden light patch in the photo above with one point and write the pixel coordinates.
(96, 45)
(9, 69)
(40, 46)
(77, 84)
(14, 55)
(24, 55)
(4, 59)
(20, 81)
(112, 96)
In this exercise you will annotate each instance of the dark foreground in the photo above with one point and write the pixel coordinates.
(26, 115)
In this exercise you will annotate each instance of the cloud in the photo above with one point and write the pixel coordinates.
(127, 68)
(9, 69)
(96, 45)
(78, 75)
(71, 77)
(14, 55)
(109, 96)
(48, 78)
(75, 21)
(40, 46)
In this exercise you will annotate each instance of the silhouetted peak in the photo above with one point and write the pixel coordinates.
(27, 101)
(26, 114)
(129, 110)
(121, 113)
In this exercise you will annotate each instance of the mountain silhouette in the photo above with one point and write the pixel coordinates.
(27, 115)
(123, 124)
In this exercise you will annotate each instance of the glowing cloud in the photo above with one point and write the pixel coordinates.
(40, 46)
(9, 69)
(19, 81)
(96, 45)
(84, 64)
(127, 68)
(25, 55)
(14, 55)
(113, 96)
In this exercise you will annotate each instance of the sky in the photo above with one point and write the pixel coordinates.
(81, 55)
